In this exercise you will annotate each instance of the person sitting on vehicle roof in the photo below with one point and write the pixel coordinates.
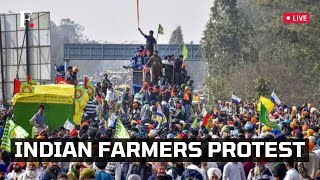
(60, 74)
(71, 75)
(137, 61)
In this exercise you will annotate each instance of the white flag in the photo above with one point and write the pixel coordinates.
(68, 125)
(275, 98)
(235, 99)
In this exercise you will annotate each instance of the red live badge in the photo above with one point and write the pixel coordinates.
(296, 18)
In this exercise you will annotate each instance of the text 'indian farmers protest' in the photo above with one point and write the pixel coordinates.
(157, 150)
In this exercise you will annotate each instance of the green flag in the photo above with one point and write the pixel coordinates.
(121, 131)
(12, 131)
(32, 82)
(264, 119)
(195, 123)
(160, 30)
(185, 52)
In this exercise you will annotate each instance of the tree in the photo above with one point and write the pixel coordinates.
(247, 47)
(226, 42)
(69, 32)
(176, 36)
(262, 87)
(293, 46)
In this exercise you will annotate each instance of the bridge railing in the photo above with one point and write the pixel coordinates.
(123, 51)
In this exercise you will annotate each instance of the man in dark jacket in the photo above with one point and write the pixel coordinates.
(106, 84)
(125, 100)
(193, 171)
(165, 109)
(68, 76)
(150, 40)
(169, 67)
(149, 95)
(51, 172)
(71, 76)
(178, 70)
(142, 169)
(156, 91)
(176, 170)
(166, 94)
(160, 168)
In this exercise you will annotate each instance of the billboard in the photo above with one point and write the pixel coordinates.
(15, 39)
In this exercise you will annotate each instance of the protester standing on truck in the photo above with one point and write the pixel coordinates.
(145, 69)
(178, 70)
(150, 40)
(68, 76)
(155, 63)
(71, 75)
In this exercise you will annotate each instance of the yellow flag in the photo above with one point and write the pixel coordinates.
(81, 99)
(185, 52)
(268, 104)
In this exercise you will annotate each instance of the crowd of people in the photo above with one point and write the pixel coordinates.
(173, 98)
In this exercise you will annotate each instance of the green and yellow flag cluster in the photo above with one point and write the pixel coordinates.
(195, 123)
(12, 131)
(265, 106)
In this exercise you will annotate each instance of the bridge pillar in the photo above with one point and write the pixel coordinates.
(66, 65)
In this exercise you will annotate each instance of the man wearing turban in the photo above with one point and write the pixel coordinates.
(74, 170)
(309, 169)
(32, 172)
(17, 170)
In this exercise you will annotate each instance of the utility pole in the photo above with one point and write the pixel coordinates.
(27, 44)
(2, 66)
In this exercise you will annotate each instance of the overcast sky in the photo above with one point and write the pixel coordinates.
(116, 20)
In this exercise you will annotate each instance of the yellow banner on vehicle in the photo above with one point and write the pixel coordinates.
(52, 94)
(43, 98)
(57, 94)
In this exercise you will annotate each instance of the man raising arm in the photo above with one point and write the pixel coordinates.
(150, 40)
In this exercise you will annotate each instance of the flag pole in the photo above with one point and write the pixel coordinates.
(138, 13)
(259, 130)
(157, 39)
